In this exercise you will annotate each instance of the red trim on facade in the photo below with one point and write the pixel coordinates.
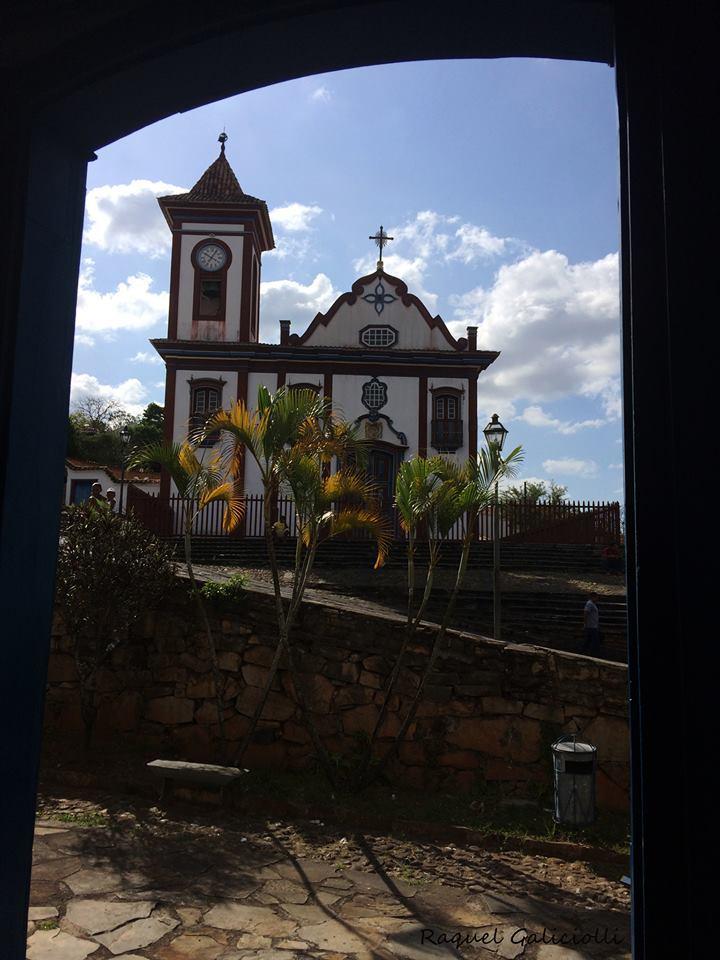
(304, 365)
(407, 299)
(246, 292)
(328, 386)
(174, 286)
(281, 377)
(201, 275)
(472, 417)
(422, 416)
(254, 212)
(170, 383)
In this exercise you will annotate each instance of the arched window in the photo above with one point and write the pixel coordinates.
(205, 399)
(446, 424)
(304, 386)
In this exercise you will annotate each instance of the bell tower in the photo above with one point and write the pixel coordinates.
(219, 234)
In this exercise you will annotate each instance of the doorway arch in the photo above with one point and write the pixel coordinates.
(94, 81)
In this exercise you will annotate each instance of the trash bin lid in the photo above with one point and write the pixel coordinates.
(568, 746)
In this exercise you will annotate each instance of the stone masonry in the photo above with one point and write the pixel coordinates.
(489, 714)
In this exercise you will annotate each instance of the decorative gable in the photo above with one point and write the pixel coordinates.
(379, 312)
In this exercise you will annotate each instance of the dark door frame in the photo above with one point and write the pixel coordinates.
(77, 82)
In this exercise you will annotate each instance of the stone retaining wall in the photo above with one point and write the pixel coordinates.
(490, 714)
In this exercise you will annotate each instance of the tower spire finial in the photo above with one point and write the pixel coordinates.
(221, 140)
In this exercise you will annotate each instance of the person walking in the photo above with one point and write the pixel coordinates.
(591, 631)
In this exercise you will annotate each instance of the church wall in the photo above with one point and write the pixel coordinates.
(413, 331)
(187, 280)
(401, 407)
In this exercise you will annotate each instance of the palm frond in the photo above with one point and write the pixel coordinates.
(349, 520)
(230, 494)
(168, 455)
(347, 483)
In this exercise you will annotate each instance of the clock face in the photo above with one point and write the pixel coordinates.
(211, 257)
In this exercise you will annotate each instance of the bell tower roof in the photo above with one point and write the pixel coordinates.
(219, 188)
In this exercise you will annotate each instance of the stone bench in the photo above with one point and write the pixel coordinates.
(204, 781)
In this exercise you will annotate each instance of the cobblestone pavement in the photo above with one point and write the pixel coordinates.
(128, 881)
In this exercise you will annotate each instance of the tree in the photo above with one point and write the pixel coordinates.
(469, 489)
(199, 484)
(110, 570)
(94, 428)
(149, 428)
(99, 413)
(535, 491)
(293, 436)
(426, 505)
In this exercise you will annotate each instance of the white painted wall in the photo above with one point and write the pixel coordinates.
(401, 407)
(344, 328)
(188, 242)
(107, 482)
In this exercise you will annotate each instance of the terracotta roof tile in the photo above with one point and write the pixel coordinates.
(131, 475)
(218, 184)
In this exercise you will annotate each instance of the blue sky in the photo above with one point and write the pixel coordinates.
(499, 180)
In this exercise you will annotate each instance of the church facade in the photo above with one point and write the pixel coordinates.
(377, 353)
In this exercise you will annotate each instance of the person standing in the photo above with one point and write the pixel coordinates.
(110, 497)
(96, 498)
(591, 620)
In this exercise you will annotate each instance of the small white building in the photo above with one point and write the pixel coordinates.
(385, 361)
(80, 475)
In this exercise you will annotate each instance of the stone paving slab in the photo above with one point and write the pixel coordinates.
(136, 896)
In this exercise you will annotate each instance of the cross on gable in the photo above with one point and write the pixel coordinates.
(381, 238)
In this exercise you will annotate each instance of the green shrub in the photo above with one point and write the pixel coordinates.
(218, 591)
(110, 570)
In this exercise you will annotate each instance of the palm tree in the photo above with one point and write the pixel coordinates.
(470, 488)
(200, 481)
(425, 504)
(293, 436)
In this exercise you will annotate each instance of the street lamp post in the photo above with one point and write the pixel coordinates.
(495, 433)
(125, 438)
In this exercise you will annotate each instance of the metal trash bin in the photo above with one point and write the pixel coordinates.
(574, 773)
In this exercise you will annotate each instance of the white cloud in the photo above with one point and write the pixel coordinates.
(144, 356)
(294, 301)
(477, 243)
(84, 340)
(132, 305)
(556, 325)
(432, 239)
(322, 94)
(126, 218)
(130, 394)
(615, 466)
(571, 467)
(295, 216)
(535, 416)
